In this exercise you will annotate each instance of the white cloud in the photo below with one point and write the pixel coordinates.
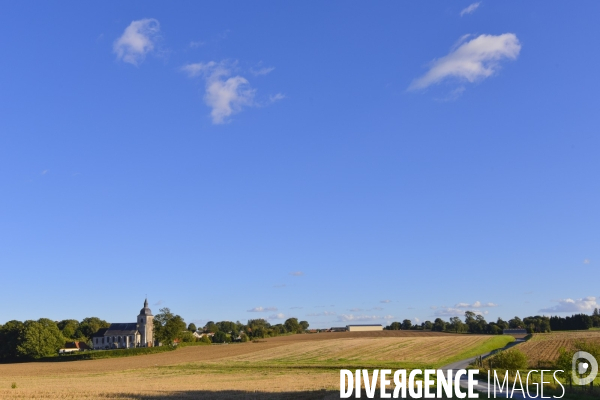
(385, 301)
(296, 308)
(416, 320)
(297, 273)
(137, 40)
(474, 60)
(276, 316)
(586, 261)
(44, 172)
(477, 304)
(449, 312)
(587, 304)
(262, 309)
(225, 94)
(470, 9)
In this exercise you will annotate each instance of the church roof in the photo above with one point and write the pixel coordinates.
(128, 328)
(146, 310)
(100, 333)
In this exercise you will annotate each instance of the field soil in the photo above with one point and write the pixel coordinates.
(296, 366)
(542, 349)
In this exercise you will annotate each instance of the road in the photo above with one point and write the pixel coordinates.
(482, 385)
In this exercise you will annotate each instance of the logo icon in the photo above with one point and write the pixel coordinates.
(582, 367)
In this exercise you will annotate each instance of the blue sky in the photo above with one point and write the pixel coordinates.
(338, 162)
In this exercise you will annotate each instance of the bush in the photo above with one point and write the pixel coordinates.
(244, 337)
(511, 360)
(205, 339)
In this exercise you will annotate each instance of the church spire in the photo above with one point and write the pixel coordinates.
(146, 303)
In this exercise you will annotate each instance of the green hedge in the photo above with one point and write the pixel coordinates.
(98, 354)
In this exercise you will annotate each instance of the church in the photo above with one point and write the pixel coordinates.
(127, 335)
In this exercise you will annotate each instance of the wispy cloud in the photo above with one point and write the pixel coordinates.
(262, 71)
(276, 97)
(322, 314)
(276, 316)
(587, 304)
(362, 317)
(262, 309)
(196, 44)
(44, 172)
(279, 285)
(471, 61)
(470, 9)
(455, 312)
(586, 261)
(385, 301)
(158, 303)
(137, 40)
(297, 273)
(296, 308)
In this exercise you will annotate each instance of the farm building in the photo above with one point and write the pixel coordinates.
(71, 347)
(363, 328)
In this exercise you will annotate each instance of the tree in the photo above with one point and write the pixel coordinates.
(304, 325)
(89, 326)
(211, 327)
(515, 323)
(501, 323)
(427, 325)
(221, 337)
(192, 327)
(10, 334)
(438, 325)
(292, 325)
(69, 328)
(395, 326)
(186, 337)
(406, 324)
(40, 338)
(228, 327)
(456, 325)
(168, 326)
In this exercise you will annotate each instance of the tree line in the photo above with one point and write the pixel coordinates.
(43, 337)
(476, 323)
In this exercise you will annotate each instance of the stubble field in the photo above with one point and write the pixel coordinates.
(297, 366)
(542, 349)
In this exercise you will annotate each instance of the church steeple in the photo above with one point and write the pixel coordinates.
(146, 303)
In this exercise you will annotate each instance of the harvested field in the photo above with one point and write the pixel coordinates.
(542, 349)
(303, 364)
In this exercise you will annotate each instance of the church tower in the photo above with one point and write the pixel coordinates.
(145, 324)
